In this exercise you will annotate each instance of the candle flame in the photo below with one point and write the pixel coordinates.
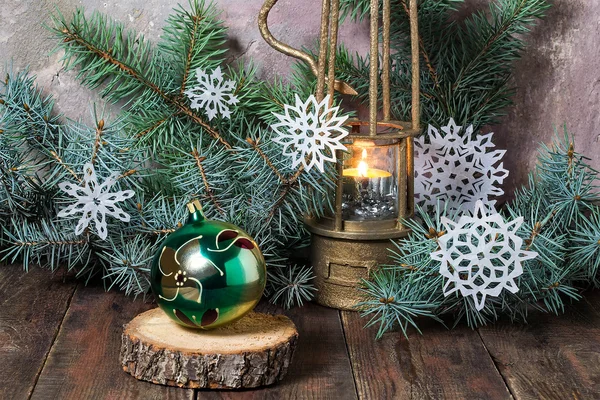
(364, 171)
(363, 167)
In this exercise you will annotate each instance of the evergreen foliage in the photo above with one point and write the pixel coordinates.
(561, 224)
(169, 154)
(466, 65)
(166, 152)
(466, 62)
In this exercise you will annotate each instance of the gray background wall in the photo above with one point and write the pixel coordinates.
(557, 80)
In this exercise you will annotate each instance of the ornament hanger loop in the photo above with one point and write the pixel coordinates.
(195, 209)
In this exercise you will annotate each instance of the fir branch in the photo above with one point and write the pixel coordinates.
(392, 302)
(555, 226)
(292, 285)
(150, 147)
(46, 244)
(192, 39)
(127, 174)
(508, 15)
(98, 141)
(465, 72)
(585, 256)
(49, 242)
(126, 262)
(256, 147)
(280, 200)
(188, 62)
(209, 191)
(73, 44)
(424, 54)
(65, 166)
(155, 126)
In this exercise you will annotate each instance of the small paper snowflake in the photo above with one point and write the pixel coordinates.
(456, 169)
(214, 94)
(481, 255)
(310, 132)
(95, 201)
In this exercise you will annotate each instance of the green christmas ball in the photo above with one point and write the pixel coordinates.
(207, 273)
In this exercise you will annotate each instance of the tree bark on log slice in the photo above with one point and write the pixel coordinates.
(251, 352)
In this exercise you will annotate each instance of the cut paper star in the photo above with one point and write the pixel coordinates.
(214, 94)
(310, 132)
(95, 201)
(481, 255)
(456, 169)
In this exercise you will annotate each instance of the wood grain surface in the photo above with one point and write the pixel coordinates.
(551, 357)
(320, 368)
(84, 361)
(32, 307)
(59, 341)
(440, 364)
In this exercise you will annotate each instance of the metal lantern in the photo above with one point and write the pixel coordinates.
(375, 186)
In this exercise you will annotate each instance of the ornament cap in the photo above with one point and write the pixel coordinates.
(195, 210)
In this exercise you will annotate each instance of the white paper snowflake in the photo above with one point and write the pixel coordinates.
(310, 132)
(457, 170)
(95, 201)
(481, 254)
(214, 94)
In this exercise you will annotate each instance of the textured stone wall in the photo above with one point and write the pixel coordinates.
(558, 80)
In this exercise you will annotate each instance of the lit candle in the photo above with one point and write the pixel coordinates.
(369, 193)
(363, 170)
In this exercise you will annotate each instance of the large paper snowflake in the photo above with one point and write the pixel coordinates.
(457, 170)
(310, 132)
(214, 94)
(481, 255)
(95, 201)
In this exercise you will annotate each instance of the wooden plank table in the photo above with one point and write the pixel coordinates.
(60, 340)
(32, 308)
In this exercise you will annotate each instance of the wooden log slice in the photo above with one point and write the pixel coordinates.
(253, 351)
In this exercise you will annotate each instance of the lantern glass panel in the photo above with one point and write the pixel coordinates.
(370, 181)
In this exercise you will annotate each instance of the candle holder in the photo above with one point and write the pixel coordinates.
(373, 195)
(370, 181)
(375, 180)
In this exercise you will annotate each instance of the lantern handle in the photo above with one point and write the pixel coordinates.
(286, 49)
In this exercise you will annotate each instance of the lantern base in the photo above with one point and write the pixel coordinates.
(340, 265)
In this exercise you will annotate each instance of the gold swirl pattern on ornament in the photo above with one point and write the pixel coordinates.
(238, 237)
(174, 256)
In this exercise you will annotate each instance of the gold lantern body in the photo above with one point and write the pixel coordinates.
(375, 184)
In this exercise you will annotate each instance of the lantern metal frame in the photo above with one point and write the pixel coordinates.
(344, 252)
